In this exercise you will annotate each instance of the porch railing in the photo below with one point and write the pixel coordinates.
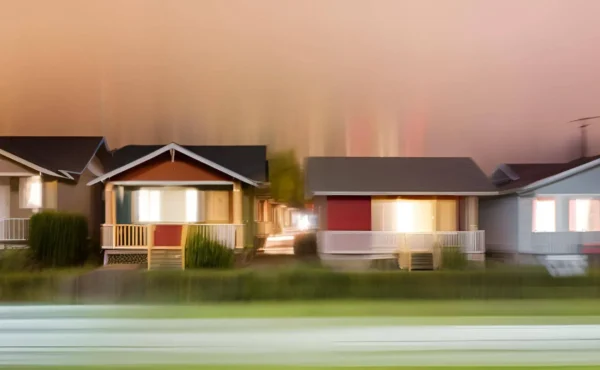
(384, 242)
(230, 235)
(14, 229)
(141, 236)
(125, 236)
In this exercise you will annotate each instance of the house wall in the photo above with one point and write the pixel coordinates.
(320, 207)
(349, 213)
(78, 197)
(587, 182)
(163, 169)
(15, 206)
(499, 217)
(9, 166)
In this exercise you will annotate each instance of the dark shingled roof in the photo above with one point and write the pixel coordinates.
(395, 175)
(528, 173)
(54, 153)
(247, 160)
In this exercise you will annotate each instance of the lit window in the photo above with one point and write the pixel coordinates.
(149, 205)
(584, 215)
(191, 205)
(405, 216)
(544, 215)
(31, 192)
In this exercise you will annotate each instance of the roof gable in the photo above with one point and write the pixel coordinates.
(394, 176)
(132, 156)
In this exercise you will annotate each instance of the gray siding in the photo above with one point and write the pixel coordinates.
(587, 182)
(525, 223)
(499, 218)
(83, 199)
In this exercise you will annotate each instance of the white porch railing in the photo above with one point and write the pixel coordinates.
(561, 242)
(14, 229)
(230, 235)
(126, 236)
(384, 242)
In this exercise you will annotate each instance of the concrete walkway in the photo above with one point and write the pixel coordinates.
(46, 335)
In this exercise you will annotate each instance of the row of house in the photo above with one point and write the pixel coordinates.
(142, 200)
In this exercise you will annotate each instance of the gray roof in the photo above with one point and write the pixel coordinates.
(247, 160)
(515, 176)
(350, 175)
(54, 153)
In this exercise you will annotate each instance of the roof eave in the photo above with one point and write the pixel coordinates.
(559, 176)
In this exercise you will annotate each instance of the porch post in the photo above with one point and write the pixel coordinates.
(237, 214)
(471, 215)
(109, 204)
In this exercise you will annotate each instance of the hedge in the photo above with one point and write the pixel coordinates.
(58, 239)
(304, 284)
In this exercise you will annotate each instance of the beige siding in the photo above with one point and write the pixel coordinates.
(218, 206)
(50, 194)
(4, 197)
(9, 166)
(15, 207)
(446, 215)
(83, 199)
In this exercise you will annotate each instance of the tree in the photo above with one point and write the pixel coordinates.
(285, 176)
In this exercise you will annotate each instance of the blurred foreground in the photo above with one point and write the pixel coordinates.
(96, 335)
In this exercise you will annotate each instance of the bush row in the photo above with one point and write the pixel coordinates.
(305, 284)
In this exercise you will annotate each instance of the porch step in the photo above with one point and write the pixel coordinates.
(421, 261)
(165, 259)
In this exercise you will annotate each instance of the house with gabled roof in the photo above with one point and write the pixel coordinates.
(156, 195)
(380, 207)
(543, 209)
(48, 173)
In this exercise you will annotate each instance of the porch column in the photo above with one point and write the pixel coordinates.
(109, 204)
(471, 213)
(237, 214)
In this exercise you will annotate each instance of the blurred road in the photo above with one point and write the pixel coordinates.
(50, 335)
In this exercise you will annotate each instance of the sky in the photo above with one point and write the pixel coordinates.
(496, 80)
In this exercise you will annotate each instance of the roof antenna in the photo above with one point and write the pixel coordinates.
(583, 124)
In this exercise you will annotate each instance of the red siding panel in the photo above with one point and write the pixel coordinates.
(349, 213)
(167, 235)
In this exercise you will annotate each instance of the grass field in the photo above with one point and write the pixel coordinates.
(241, 367)
(510, 308)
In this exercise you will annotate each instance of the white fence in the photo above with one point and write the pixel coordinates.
(384, 242)
(230, 235)
(14, 229)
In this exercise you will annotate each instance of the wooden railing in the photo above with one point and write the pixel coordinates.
(391, 243)
(142, 236)
(14, 229)
(126, 236)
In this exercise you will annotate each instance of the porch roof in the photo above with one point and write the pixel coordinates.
(353, 176)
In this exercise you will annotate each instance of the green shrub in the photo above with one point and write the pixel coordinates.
(202, 252)
(58, 239)
(305, 245)
(453, 258)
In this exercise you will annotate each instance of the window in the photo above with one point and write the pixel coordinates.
(191, 205)
(402, 215)
(149, 205)
(544, 215)
(168, 205)
(584, 215)
(30, 189)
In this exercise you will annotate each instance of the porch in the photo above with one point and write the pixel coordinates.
(14, 230)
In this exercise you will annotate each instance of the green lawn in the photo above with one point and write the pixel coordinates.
(242, 367)
(510, 308)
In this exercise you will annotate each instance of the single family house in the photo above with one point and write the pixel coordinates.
(376, 207)
(543, 209)
(156, 195)
(48, 173)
